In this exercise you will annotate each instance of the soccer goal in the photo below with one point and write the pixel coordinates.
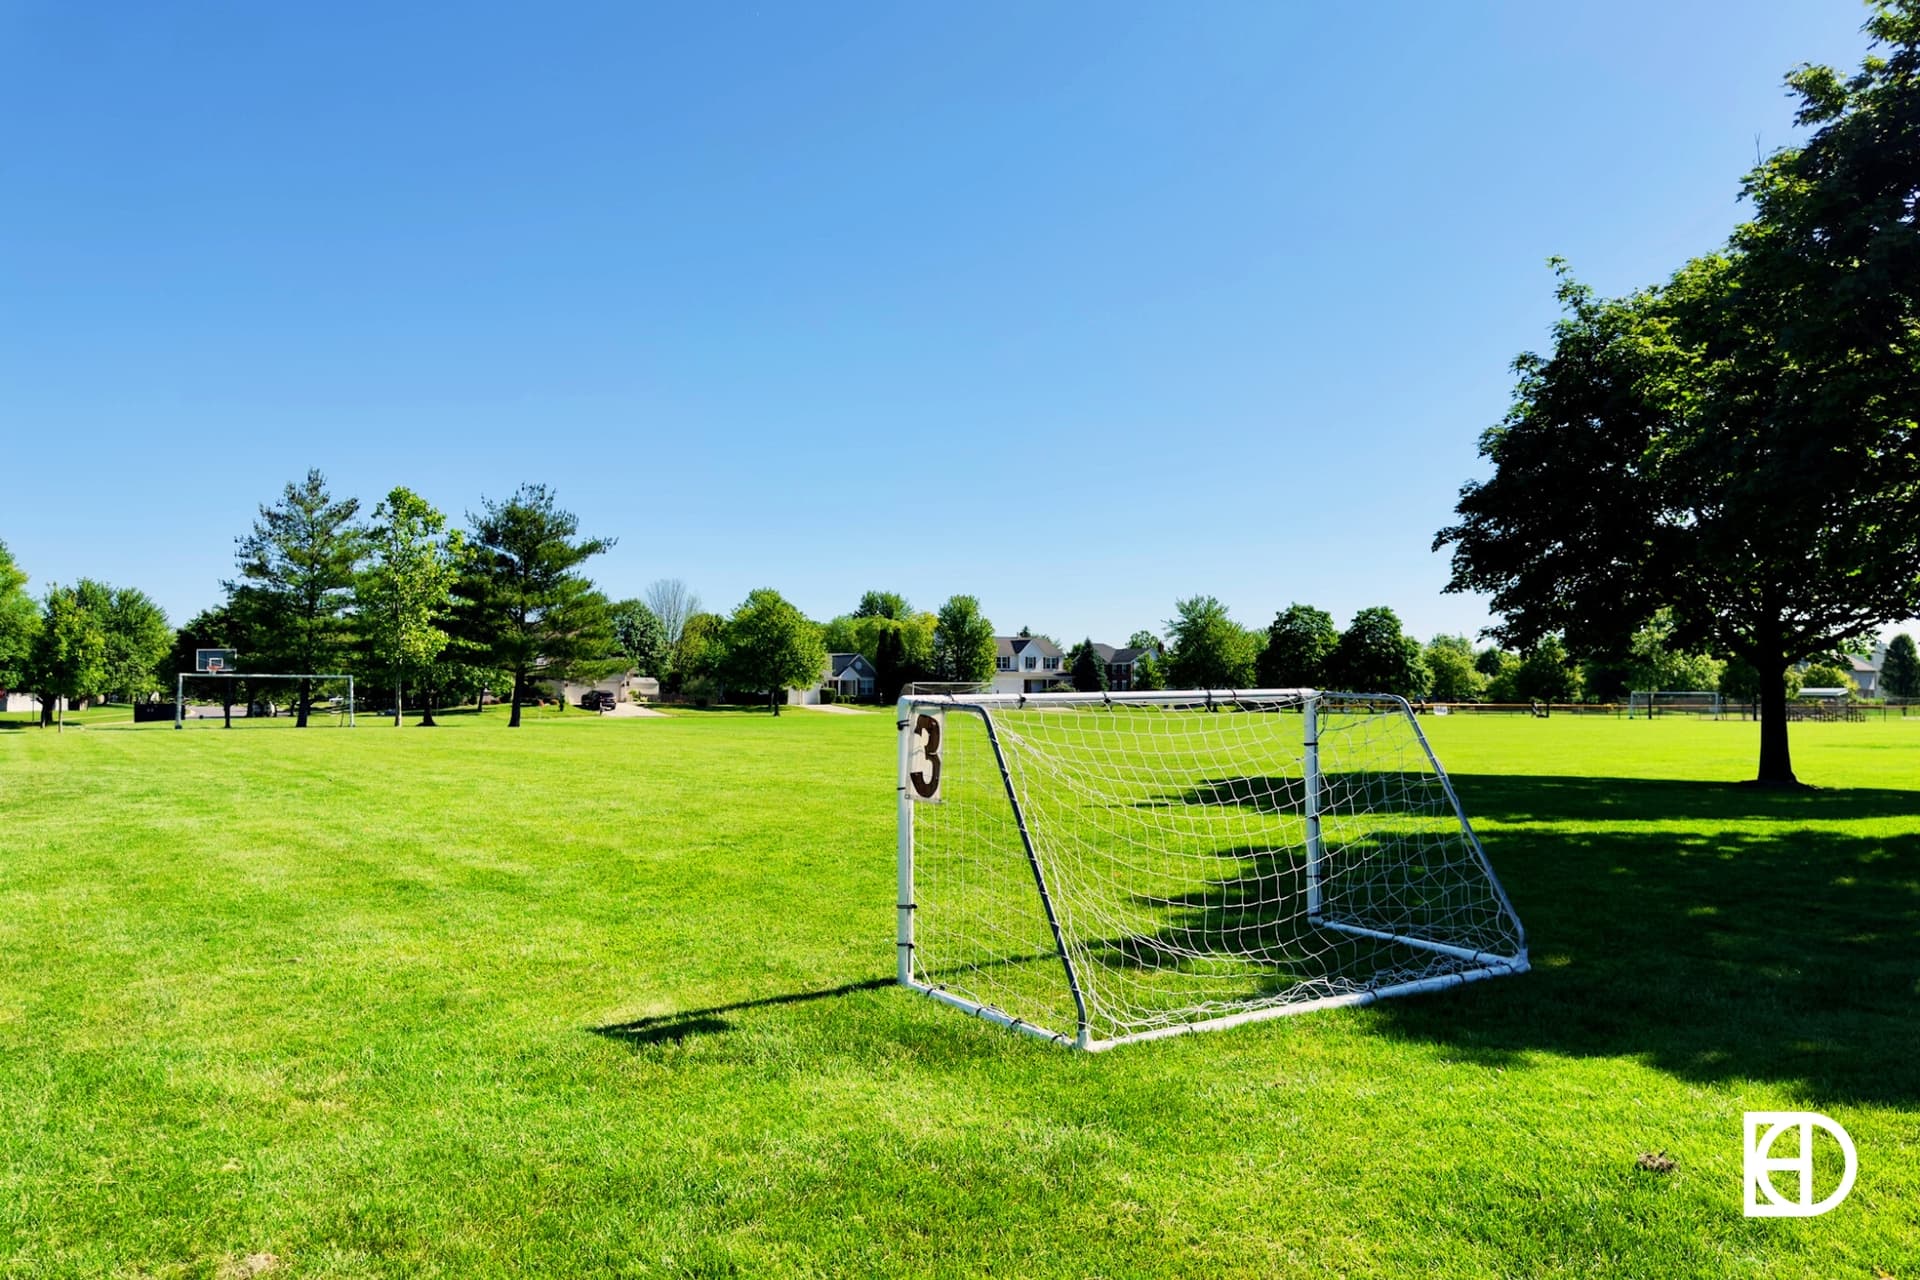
(1649, 703)
(1103, 868)
(219, 664)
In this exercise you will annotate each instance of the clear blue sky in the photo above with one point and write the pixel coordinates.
(1078, 308)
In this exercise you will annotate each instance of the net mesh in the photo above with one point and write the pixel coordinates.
(1171, 835)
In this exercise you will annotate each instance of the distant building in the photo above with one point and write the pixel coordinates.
(1027, 664)
(1120, 664)
(846, 676)
(1034, 664)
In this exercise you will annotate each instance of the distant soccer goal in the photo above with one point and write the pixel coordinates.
(1098, 869)
(1664, 702)
(220, 664)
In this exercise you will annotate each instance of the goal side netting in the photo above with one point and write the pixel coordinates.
(1099, 869)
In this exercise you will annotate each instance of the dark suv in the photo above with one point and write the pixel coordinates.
(598, 700)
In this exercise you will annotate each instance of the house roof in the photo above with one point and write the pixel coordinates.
(1858, 663)
(1016, 646)
(838, 664)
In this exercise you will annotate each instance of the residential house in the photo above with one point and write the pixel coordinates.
(1866, 670)
(846, 677)
(1120, 665)
(1027, 664)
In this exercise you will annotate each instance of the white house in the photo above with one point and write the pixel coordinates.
(1026, 664)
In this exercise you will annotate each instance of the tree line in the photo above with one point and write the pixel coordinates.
(438, 614)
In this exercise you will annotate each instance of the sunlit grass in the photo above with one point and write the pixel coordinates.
(470, 1002)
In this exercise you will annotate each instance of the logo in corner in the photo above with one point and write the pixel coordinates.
(1763, 1198)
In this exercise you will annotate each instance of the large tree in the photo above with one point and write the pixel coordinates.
(1373, 655)
(1300, 642)
(1209, 649)
(19, 622)
(963, 648)
(69, 656)
(673, 602)
(641, 637)
(524, 607)
(773, 647)
(1900, 669)
(1454, 676)
(404, 595)
(699, 657)
(883, 604)
(1088, 670)
(1738, 443)
(297, 571)
(137, 633)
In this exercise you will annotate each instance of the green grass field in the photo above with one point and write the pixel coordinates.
(612, 997)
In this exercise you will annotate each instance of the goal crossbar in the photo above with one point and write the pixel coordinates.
(1339, 883)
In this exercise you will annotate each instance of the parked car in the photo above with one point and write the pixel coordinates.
(598, 700)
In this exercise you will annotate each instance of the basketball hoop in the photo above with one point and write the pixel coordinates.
(215, 666)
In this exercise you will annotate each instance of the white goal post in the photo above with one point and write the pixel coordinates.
(1096, 869)
(218, 673)
(1647, 703)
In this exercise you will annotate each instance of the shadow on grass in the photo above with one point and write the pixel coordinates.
(1752, 935)
(1553, 798)
(1789, 955)
(672, 1028)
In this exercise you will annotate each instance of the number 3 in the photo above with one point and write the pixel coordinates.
(927, 785)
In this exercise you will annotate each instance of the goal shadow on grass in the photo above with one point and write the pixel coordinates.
(1783, 952)
(672, 1028)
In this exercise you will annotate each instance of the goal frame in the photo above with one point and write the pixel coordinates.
(1484, 964)
(180, 687)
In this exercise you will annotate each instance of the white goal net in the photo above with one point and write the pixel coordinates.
(1103, 868)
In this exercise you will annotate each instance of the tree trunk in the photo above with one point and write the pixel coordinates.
(1776, 759)
(513, 719)
(303, 699)
(46, 711)
(773, 701)
(226, 711)
(426, 704)
(399, 699)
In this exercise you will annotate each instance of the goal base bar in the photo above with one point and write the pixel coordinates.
(1514, 964)
(1350, 999)
(988, 1014)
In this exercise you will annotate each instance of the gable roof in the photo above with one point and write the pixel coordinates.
(1017, 646)
(839, 663)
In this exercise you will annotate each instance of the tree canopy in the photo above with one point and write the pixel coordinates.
(1300, 642)
(1454, 676)
(19, 622)
(137, 636)
(641, 637)
(524, 605)
(1087, 670)
(1736, 444)
(1209, 649)
(69, 656)
(1374, 656)
(883, 604)
(404, 595)
(1900, 669)
(772, 647)
(297, 573)
(963, 648)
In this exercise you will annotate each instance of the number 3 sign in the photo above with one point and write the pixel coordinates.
(923, 759)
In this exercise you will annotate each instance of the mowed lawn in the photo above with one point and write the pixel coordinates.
(611, 997)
